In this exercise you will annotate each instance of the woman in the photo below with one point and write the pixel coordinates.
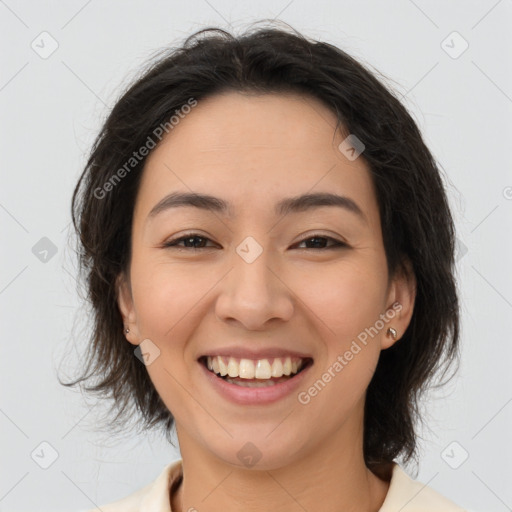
(268, 251)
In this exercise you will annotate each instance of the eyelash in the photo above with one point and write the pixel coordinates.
(174, 242)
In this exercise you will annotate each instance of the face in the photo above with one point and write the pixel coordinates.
(258, 283)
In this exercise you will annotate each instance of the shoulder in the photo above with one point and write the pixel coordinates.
(408, 495)
(152, 497)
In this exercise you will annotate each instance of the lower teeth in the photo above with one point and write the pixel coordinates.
(255, 384)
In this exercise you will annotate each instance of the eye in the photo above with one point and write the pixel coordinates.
(323, 240)
(197, 241)
(189, 240)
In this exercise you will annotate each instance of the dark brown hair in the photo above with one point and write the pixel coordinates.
(415, 217)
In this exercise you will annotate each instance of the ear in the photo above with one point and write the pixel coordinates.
(127, 309)
(401, 298)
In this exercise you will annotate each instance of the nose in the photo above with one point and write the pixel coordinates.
(253, 294)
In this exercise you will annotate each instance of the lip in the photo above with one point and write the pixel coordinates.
(255, 396)
(249, 353)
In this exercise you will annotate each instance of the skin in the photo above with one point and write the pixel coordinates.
(253, 150)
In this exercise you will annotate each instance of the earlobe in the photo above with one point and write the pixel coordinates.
(126, 308)
(402, 297)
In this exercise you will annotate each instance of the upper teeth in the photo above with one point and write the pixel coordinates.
(254, 369)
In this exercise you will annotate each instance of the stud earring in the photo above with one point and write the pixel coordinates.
(127, 330)
(392, 332)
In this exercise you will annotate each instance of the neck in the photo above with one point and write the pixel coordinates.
(333, 473)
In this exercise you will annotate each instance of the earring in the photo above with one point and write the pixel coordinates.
(392, 332)
(127, 330)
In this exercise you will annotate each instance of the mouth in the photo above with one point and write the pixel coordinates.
(255, 373)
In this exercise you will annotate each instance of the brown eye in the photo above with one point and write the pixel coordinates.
(319, 242)
(191, 241)
(196, 241)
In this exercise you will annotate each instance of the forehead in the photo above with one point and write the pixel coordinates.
(253, 150)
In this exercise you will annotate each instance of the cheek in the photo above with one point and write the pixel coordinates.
(346, 297)
(169, 309)
(347, 301)
(166, 297)
(172, 302)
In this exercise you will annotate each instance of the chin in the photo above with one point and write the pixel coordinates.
(254, 449)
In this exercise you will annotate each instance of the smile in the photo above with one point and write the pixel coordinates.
(255, 372)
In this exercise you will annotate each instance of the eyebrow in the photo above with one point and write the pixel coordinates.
(295, 204)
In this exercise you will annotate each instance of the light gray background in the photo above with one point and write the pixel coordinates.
(51, 110)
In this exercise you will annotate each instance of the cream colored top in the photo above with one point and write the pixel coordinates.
(404, 495)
